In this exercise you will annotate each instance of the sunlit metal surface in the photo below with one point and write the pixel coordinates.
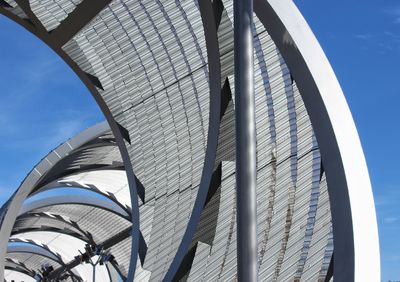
(163, 74)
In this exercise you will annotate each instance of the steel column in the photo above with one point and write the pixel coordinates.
(246, 160)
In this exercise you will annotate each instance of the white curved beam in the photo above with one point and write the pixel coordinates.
(31, 248)
(352, 204)
(353, 214)
(74, 199)
(104, 181)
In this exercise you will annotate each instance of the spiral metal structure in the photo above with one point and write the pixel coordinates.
(151, 191)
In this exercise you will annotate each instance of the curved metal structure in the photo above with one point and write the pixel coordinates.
(162, 175)
(19, 249)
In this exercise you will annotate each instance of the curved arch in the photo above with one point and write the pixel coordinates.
(48, 38)
(65, 169)
(106, 182)
(72, 199)
(31, 247)
(90, 231)
(210, 31)
(100, 153)
(35, 176)
(356, 239)
(73, 228)
(18, 266)
(353, 210)
(65, 247)
(33, 260)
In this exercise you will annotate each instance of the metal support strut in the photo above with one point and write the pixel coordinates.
(246, 165)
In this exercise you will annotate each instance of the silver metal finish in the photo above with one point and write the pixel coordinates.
(246, 162)
(163, 73)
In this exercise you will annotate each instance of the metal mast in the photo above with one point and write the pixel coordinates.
(246, 165)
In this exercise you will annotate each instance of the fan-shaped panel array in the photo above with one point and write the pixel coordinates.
(151, 195)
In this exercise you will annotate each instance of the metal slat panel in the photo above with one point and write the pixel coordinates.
(320, 236)
(150, 61)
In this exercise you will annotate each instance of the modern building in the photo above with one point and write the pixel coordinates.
(151, 193)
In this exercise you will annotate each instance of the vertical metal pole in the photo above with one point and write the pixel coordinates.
(246, 165)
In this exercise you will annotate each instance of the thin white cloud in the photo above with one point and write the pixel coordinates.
(37, 74)
(393, 13)
(394, 10)
(385, 46)
(387, 195)
(382, 43)
(64, 130)
(49, 133)
(392, 36)
(363, 36)
(390, 219)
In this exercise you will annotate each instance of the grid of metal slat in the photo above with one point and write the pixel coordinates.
(66, 246)
(321, 246)
(161, 96)
(15, 267)
(100, 223)
(223, 241)
(43, 221)
(74, 221)
(32, 261)
(15, 9)
(96, 222)
(52, 13)
(148, 61)
(288, 156)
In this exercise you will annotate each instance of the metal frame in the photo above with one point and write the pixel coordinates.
(353, 213)
(38, 173)
(74, 230)
(67, 252)
(18, 267)
(92, 186)
(352, 206)
(210, 32)
(85, 200)
(113, 206)
(32, 247)
(36, 249)
(35, 176)
(18, 270)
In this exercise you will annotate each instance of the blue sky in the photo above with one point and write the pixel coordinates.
(362, 41)
(43, 103)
